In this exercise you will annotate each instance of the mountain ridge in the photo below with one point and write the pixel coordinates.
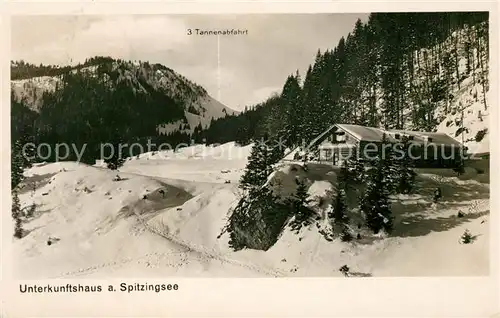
(29, 83)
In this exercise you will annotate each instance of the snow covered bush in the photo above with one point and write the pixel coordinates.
(467, 237)
(480, 135)
(31, 210)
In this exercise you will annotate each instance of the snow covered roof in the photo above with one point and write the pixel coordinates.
(359, 132)
(329, 145)
(374, 134)
(321, 136)
(366, 133)
(431, 137)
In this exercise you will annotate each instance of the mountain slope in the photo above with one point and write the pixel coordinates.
(416, 71)
(140, 77)
(457, 70)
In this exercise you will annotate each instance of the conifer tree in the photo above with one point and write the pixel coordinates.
(340, 208)
(32, 208)
(294, 110)
(115, 162)
(117, 158)
(16, 215)
(355, 169)
(303, 215)
(405, 174)
(28, 151)
(258, 218)
(17, 164)
(374, 204)
(388, 164)
(466, 237)
(339, 205)
(276, 149)
(257, 169)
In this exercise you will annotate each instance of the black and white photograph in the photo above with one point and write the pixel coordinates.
(347, 145)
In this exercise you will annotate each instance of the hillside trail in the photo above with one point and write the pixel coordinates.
(198, 252)
(205, 253)
(201, 251)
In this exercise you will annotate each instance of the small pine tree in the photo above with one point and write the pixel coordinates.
(339, 207)
(31, 210)
(404, 172)
(258, 218)
(276, 150)
(388, 164)
(29, 155)
(467, 237)
(346, 235)
(117, 159)
(344, 174)
(258, 167)
(17, 164)
(356, 169)
(375, 201)
(344, 270)
(115, 162)
(303, 215)
(16, 215)
(459, 168)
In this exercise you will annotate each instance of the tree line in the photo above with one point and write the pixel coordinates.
(395, 71)
(93, 110)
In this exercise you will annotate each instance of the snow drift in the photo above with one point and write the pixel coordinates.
(148, 224)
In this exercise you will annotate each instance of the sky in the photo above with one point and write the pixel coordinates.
(239, 70)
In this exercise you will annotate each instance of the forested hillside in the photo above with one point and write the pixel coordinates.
(106, 100)
(421, 71)
(418, 71)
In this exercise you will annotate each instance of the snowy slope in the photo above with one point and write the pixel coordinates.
(108, 229)
(465, 112)
(208, 108)
(464, 90)
(30, 91)
(101, 232)
(200, 163)
(199, 106)
(475, 122)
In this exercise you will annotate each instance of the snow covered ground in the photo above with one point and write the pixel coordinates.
(475, 122)
(164, 216)
(196, 163)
